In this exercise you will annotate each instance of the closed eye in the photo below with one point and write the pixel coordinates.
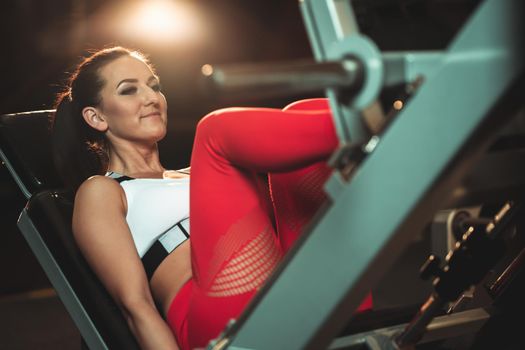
(129, 90)
(156, 87)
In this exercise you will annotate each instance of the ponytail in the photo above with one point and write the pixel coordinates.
(78, 150)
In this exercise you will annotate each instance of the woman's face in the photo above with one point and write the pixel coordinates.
(132, 104)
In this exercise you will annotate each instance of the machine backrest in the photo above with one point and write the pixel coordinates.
(46, 225)
(45, 222)
(25, 147)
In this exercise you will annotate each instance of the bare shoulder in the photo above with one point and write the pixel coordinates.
(98, 182)
(99, 185)
(101, 192)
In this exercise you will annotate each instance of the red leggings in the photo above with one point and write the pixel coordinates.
(234, 244)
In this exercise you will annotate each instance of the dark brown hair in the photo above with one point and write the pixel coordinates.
(80, 151)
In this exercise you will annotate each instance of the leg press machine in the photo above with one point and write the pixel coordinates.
(393, 175)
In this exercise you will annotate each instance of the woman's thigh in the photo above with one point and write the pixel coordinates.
(234, 245)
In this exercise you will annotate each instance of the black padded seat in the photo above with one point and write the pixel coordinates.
(45, 222)
(25, 147)
(46, 225)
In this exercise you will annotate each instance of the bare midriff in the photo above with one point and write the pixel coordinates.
(171, 275)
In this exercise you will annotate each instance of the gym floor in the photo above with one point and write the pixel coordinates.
(36, 320)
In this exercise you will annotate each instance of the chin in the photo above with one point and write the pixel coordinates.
(160, 135)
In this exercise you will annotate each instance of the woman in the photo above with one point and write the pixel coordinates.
(133, 231)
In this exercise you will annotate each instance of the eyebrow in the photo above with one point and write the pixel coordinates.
(133, 80)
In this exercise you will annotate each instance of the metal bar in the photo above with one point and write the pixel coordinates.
(416, 328)
(442, 327)
(328, 22)
(66, 293)
(30, 112)
(421, 156)
(507, 276)
(291, 78)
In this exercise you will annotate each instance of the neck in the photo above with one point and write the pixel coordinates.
(135, 160)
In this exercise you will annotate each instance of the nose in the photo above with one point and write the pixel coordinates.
(150, 96)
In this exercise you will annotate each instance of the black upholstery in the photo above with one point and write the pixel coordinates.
(45, 222)
(50, 212)
(25, 141)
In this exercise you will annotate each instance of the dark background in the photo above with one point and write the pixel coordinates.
(43, 40)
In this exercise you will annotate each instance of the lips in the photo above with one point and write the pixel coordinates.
(152, 114)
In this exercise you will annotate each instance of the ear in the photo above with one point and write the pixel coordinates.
(94, 118)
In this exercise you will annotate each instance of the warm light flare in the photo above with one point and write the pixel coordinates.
(207, 70)
(161, 21)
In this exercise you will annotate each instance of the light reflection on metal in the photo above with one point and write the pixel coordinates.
(398, 104)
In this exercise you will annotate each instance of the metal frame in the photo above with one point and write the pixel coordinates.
(395, 191)
(66, 293)
(441, 231)
(329, 22)
(447, 326)
(12, 171)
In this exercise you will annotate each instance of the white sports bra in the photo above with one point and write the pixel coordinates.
(157, 216)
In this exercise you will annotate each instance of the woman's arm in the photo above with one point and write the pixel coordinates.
(101, 232)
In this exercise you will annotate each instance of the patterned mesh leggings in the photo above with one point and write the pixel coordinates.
(234, 243)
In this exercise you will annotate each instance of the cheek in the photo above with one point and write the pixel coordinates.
(119, 112)
(124, 108)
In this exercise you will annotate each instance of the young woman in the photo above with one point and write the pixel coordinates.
(131, 220)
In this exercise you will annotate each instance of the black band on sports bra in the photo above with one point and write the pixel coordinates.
(158, 251)
(153, 257)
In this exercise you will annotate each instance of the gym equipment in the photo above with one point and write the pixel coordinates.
(404, 172)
